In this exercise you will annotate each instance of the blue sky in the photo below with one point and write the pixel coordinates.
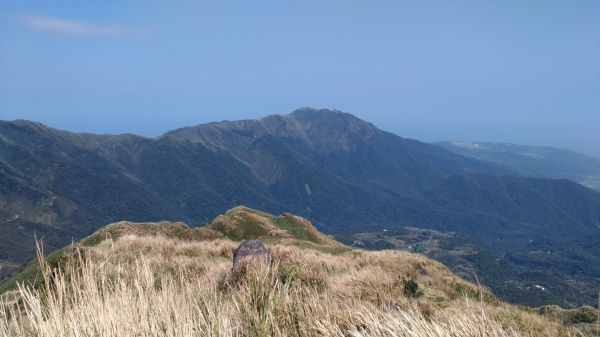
(513, 71)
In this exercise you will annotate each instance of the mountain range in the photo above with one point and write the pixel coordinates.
(533, 161)
(344, 174)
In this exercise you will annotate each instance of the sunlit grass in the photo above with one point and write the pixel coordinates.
(155, 286)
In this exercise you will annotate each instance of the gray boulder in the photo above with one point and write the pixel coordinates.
(250, 249)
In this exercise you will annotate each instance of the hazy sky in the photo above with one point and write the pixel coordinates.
(521, 71)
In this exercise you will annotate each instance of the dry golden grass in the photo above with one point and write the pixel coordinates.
(157, 286)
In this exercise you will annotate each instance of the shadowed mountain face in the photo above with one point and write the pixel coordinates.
(342, 173)
(533, 161)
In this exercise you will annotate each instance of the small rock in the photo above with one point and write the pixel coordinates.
(250, 248)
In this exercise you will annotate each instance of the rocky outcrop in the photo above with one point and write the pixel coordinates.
(250, 249)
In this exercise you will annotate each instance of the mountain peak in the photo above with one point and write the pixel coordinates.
(312, 112)
(324, 130)
(308, 115)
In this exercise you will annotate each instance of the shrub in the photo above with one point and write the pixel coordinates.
(582, 315)
(411, 289)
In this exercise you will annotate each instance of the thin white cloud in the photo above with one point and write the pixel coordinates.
(69, 27)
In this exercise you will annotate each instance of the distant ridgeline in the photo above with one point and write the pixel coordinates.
(533, 161)
(342, 173)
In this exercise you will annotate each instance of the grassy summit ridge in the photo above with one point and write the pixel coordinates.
(166, 279)
(245, 223)
(237, 224)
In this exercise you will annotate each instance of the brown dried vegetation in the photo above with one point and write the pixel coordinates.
(152, 281)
